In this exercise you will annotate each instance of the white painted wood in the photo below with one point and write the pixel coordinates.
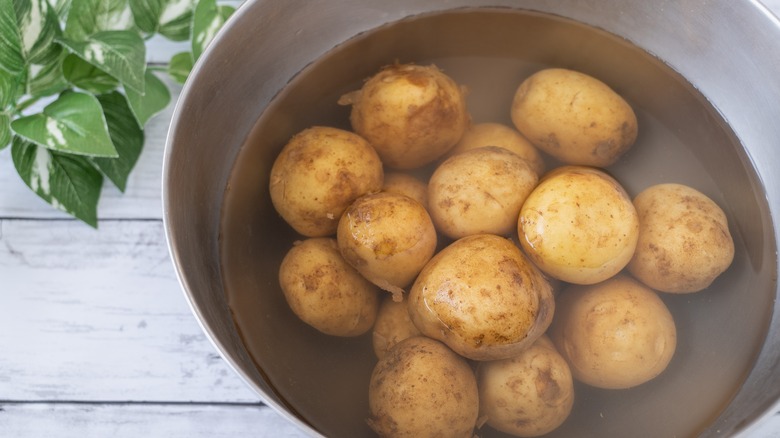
(99, 316)
(144, 420)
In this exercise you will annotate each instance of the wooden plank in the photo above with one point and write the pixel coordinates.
(67, 420)
(99, 315)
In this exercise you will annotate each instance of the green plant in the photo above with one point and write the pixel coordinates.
(84, 62)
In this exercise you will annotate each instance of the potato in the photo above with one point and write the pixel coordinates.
(615, 334)
(482, 297)
(318, 173)
(527, 395)
(406, 184)
(684, 240)
(388, 238)
(422, 389)
(579, 225)
(498, 134)
(479, 191)
(392, 326)
(574, 117)
(324, 291)
(411, 114)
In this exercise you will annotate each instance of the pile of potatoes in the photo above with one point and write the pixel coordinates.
(491, 283)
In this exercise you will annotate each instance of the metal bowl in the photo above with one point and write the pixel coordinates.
(701, 74)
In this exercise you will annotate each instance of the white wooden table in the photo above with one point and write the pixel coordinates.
(96, 338)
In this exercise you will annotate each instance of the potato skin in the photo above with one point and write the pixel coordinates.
(407, 184)
(479, 191)
(324, 291)
(574, 117)
(482, 297)
(528, 395)
(684, 239)
(318, 173)
(388, 238)
(579, 225)
(411, 114)
(616, 334)
(422, 389)
(392, 326)
(497, 134)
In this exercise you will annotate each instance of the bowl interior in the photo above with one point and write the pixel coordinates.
(323, 380)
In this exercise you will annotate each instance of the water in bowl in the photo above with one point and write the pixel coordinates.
(682, 139)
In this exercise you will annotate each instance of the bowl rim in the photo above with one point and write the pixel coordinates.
(747, 29)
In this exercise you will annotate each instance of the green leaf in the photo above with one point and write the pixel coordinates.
(5, 130)
(86, 76)
(67, 182)
(9, 89)
(48, 79)
(127, 136)
(38, 27)
(12, 60)
(61, 7)
(207, 20)
(155, 99)
(88, 17)
(180, 66)
(170, 18)
(146, 14)
(73, 123)
(120, 53)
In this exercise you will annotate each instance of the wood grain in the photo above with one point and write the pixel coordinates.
(100, 316)
(74, 420)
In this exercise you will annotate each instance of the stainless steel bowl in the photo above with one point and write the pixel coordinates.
(701, 74)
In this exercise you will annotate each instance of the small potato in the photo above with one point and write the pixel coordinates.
(325, 291)
(388, 238)
(497, 134)
(411, 114)
(614, 335)
(479, 191)
(406, 184)
(684, 240)
(482, 297)
(574, 117)
(579, 225)
(392, 326)
(318, 173)
(527, 395)
(422, 389)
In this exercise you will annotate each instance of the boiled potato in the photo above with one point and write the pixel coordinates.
(615, 334)
(482, 297)
(422, 389)
(388, 238)
(579, 225)
(498, 134)
(574, 117)
(325, 291)
(684, 240)
(318, 173)
(406, 184)
(392, 326)
(479, 191)
(528, 395)
(411, 114)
